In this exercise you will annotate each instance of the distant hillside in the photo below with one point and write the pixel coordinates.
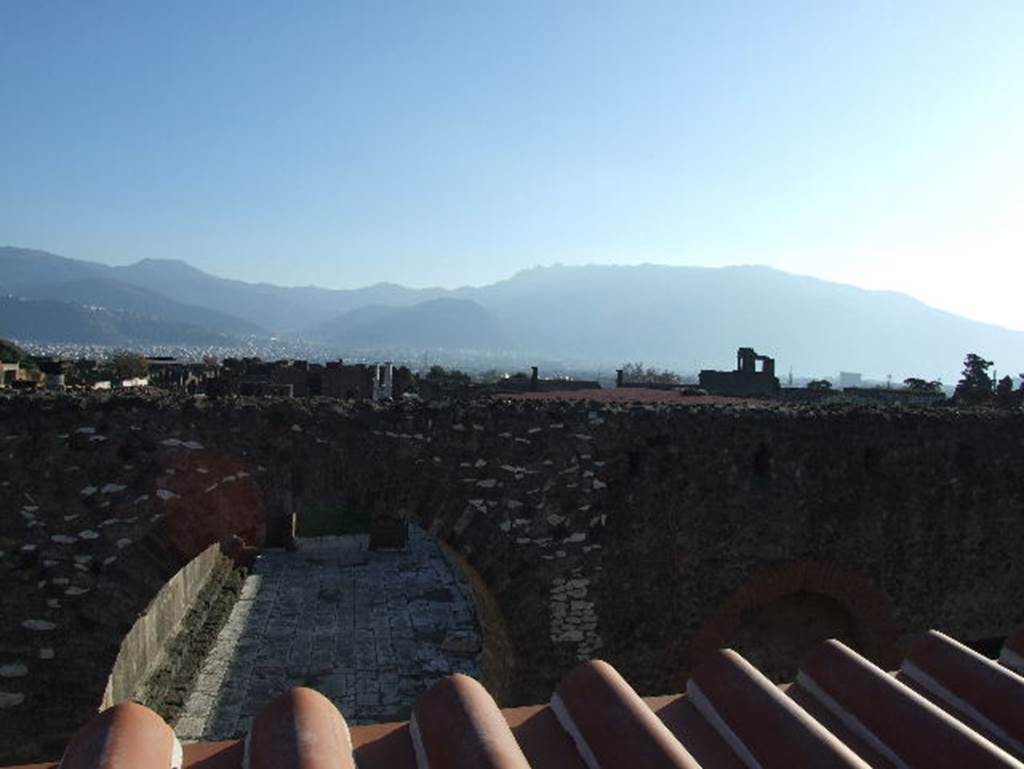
(452, 324)
(281, 309)
(241, 307)
(112, 294)
(49, 321)
(693, 317)
(685, 318)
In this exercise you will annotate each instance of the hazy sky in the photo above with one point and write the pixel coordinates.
(430, 143)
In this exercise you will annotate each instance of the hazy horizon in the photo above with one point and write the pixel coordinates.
(340, 146)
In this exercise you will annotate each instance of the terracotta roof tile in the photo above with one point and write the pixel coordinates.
(124, 735)
(762, 725)
(301, 729)
(946, 707)
(457, 724)
(969, 687)
(893, 719)
(611, 725)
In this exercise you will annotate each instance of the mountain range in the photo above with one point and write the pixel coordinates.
(681, 317)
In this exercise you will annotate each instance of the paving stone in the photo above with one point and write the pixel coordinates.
(367, 629)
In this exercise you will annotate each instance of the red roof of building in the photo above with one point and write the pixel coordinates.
(946, 706)
(628, 395)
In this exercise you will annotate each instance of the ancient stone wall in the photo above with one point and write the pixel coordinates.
(144, 648)
(647, 535)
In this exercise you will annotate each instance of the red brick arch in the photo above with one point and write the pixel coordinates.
(858, 594)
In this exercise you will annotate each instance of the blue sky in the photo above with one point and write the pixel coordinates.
(874, 143)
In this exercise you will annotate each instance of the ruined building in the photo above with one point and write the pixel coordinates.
(754, 375)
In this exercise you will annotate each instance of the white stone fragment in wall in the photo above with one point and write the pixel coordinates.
(123, 542)
(487, 483)
(14, 670)
(141, 499)
(577, 536)
(166, 494)
(40, 625)
(88, 534)
(170, 442)
(599, 484)
(53, 603)
(46, 653)
(480, 463)
(74, 591)
(554, 520)
(83, 558)
(112, 488)
(86, 430)
(88, 491)
(505, 526)
(192, 445)
(97, 438)
(63, 539)
(533, 430)
(11, 699)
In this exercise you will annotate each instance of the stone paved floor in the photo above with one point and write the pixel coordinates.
(370, 630)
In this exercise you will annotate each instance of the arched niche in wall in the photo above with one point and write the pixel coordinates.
(780, 612)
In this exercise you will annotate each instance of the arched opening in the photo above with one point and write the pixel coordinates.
(775, 636)
(777, 614)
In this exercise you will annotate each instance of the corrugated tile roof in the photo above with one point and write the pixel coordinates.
(946, 706)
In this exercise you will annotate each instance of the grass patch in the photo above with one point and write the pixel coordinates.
(328, 521)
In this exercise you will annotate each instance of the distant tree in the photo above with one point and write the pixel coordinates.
(10, 352)
(922, 385)
(819, 384)
(1006, 396)
(124, 364)
(637, 372)
(440, 372)
(975, 385)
